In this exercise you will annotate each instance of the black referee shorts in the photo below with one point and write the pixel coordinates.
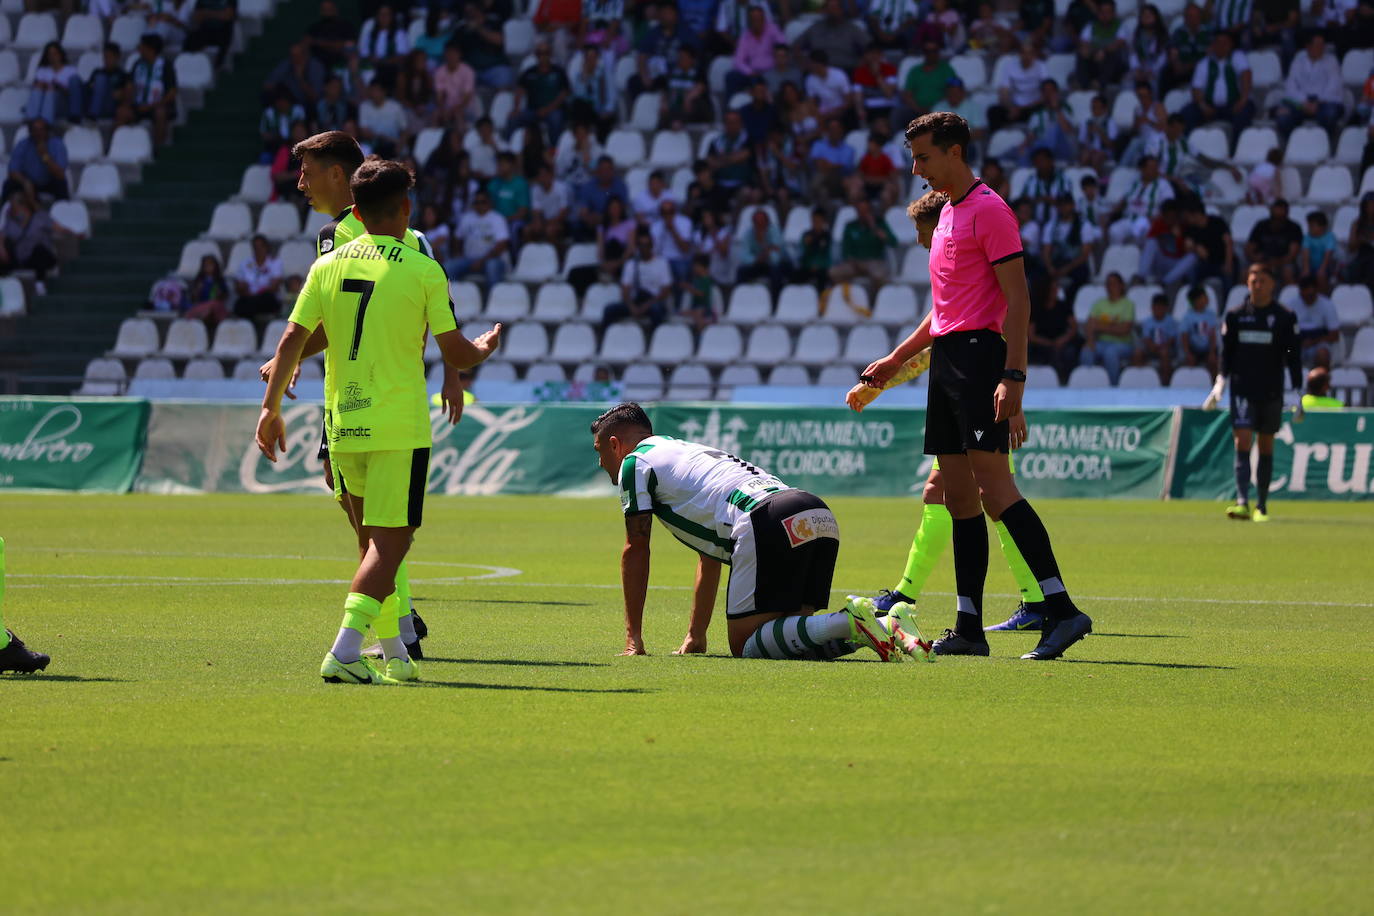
(1263, 414)
(965, 370)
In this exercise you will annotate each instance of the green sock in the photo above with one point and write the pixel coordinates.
(386, 626)
(932, 537)
(403, 589)
(4, 635)
(360, 611)
(1025, 579)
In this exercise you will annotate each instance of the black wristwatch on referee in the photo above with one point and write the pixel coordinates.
(1014, 375)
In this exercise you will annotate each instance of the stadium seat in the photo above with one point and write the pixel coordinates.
(84, 144)
(573, 342)
(1040, 377)
(73, 216)
(1122, 259)
(1350, 146)
(1181, 300)
(644, 115)
(1356, 66)
(768, 345)
(689, 382)
(735, 376)
(1210, 142)
(1244, 218)
(12, 298)
(1138, 377)
(191, 254)
(230, 222)
(715, 75)
(1330, 184)
(204, 370)
(9, 64)
(296, 256)
(99, 182)
(1266, 69)
(271, 335)
(581, 255)
(554, 302)
(1085, 297)
(1124, 109)
(466, 297)
(131, 145)
(507, 302)
(239, 254)
(971, 69)
(537, 262)
(720, 344)
(642, 382)
(1353, 305)
(155, 368)
(1005, 141)
(279, 221)
(622, 343)
(256, 186)
(896, 305)
(312, 370)
(839, 310)
(798, 304)
(83, 32)
(597, 297)
(864, 344)
(1080, 104)
(126, 30)
(1254, 144)
(12, 99)
(671, 344)
(637, 180)
(839, 377)
(426, 142)
(525, 342)
(500, 372)
(818, 345)
(626, 147)
(103, 377)
(1061, 67)
(539, 373)
(797, 223)
(903, 229)
(234, 338)
(246, 369)
(746, 216)
(1307, 146)
(916, 266)
(1191, 377)
(789, 375)
(185, 337)
(194, 71)
(672, 149)
(1089, 377)
(519, 37)
(35, 30)
(1225, 188)
(1353, 382)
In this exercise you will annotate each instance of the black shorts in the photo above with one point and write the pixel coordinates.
(965, 370)
(323, 451)
(1263, 414)
(784, 556)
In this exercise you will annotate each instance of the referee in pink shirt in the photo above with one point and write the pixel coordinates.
(977, 335)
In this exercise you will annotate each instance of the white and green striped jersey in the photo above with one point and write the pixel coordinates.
(699, 493)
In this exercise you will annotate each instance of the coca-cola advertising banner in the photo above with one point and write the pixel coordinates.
(71, 444)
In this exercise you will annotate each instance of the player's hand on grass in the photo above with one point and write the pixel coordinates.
(1006, 400)
(1017, 431)
(487, 343)
(879, 371)
(271, 434)
(691, 645)
(634, 645)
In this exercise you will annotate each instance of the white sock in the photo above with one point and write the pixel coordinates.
(407, 624)
(394, 648)
(348, 645)
(828, 626)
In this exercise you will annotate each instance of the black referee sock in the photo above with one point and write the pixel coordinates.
(970, 574)
(1243, 476)
(1026, 529)
(1264, 474)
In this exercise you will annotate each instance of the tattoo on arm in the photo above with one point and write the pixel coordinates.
(639, 526)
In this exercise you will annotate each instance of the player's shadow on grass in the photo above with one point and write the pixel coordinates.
(542, 603)
(40, 678)
(472, 685)
(518, 662)
(1143, 635)
(1099, 661)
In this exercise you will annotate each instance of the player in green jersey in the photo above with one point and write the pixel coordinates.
(374, 298)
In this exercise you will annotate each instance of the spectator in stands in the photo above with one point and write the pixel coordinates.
(832, 161)
(1103, 48)
(893, 24)
(656, 51)
(1109, 335)
(550, 202)
(301, 76)
(646, 282)
(1018, 90)
(942, 20)
(1319, 326)
(863, 248)
(332, 110)
(875, 86)
(436, 232)
(700, 288)
(1165, 258)
(732, 21)
(1052, 338)
(615, 238)
(1045, 185)
(415, 88)
(799, 114)
(55, 94)
(1187, 169)
(1314, 89)
(382, 46)
(480, 243)
(593, 196)
(593, 92)
(1158, 341)
(877, 178)
(714, 240)
(672, 235)
(330, 36)
(1187, 46)
(38, 165)
(446, 168)
(814, 258)
(540, 94)
(1221, 87)
(1208, 239)
(285, 169)
(212, 26)
(755, 53)
(760, 116)
(382, 121)
(925, 83)
(1092, 206)
(686, 98)
(208, 295)
(107, 88)
(1097, 136)
(1276, 22)
(485, 148)
(435, 36)
(274, 127)
(1264, 184)
(995, 177)
(1320, 249)
(988, 32)
(258, 279)
(703, 193)
(729, 157)
(839, 37)
(1138, 208)
(1359, 267)
(1150, 122)
(1197, 332)
(169, 19)
(783, 71)
(646, 203)
(958, 100)
(1276, 242)
(484, 46)
(1032, 243)
(697, 17)
(154, 79)
(1067, 242)
(510, 194)
(1318, 395)
(455, 88)
(829, 88)
(26, 240)
(1148, 46)
(760, 254)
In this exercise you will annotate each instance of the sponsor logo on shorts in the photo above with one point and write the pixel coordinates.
(809, 525)
(353, 398)
(350, 432)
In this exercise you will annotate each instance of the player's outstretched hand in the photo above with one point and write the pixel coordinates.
(271, 434)
(634, 645)
(691, 645)
(1006, 400)
(265, 371)
(488, 342)
(1017, 431)
(879, 371)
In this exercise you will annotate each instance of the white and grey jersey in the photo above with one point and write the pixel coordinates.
(699, 493)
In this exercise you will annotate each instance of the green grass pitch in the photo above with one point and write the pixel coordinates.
(1209, 749)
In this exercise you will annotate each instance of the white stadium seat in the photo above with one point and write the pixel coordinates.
(518, 35)
(555, 303)
(185, 337)
(671, 344)
(73, 216)
(235, 337)
(9, 65)
(1353, 379)
(1040, 377)
(971, 69)
(497, 372)
(103, 377)
(798, 304)
(1085, 297)
(246, 370)
(896, 305)
(798, 222)
(1122, 259)
(644, 115)
(1254, 145)
(689, 382)
(622, 343)
(1331, 184)
(735, 376)
(581, 255)
(768, 345)
(840, 310)
(671, 150)
(279, 221)
(841, 377)
(84, 144)
(466, 297)
(204, 370)
(537, 262)
(100, 183)
(256, 186)
(35, 30)
(626, 147)
(1190, 377)
(1141, 296)
(1350, 146)
(194, 70)
(1307, 146)
(426, 142)
(525, 342)
(271, 336)
(131, 145)
(126, 30)
(818, 345)
(1362, 349)
(864, 344)
(1266, 69)
(596, 298)
(1139, 377)
(83, 32)
(903, 229)
(296, 256)
(12, 298)
(230, 222)
(916, 266)
(789, 375)
(720, 344)
(1353, 305)
(155, 368)
(1210, 142)
(191, 254)
(1355, 66)
(573, 343)
(12, 99)
(642, 382)
(751, 304)
(1089, 377)
(507, 302)
(539, 373)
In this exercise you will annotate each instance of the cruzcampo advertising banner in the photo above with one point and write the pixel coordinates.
(91, 444)
(1326, 456)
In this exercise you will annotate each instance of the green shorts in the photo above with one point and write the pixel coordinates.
(1011, 463)
(391, 484)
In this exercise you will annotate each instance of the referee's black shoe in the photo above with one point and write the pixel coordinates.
(1059, 635)
(951, 643)
(18, 657)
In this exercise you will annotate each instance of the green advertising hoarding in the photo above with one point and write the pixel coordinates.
(92, 444)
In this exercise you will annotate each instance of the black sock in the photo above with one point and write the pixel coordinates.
(970, 573)
(1242, 476)
(1026, 529)
(1264, 474)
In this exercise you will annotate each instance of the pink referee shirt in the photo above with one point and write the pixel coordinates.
(975, 232)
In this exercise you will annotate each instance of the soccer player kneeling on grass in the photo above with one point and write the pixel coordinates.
(374, 298)
(780, 543)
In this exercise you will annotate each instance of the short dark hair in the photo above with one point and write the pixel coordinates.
(153, 40)
(1262, 268)
(927, 207)
(379, 187)
(619, 417)
(1318, 217)
(1318, 381)
(946, 129)
(1307, 281)
(112, 48)
(1159, 299)
(333, 147)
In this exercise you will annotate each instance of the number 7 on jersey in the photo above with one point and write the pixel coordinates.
(364, 288)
